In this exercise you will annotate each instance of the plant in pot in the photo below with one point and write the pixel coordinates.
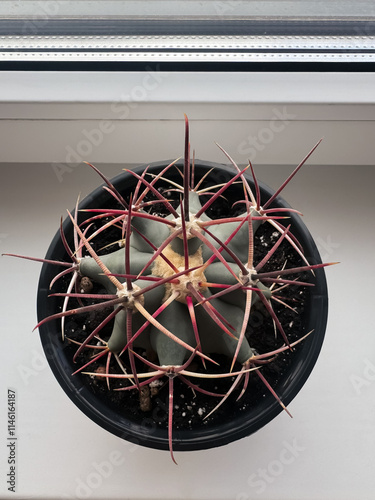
(183, 305)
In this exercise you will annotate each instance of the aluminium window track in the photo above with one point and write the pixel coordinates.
(186, 48)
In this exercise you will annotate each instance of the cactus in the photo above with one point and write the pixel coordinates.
(182, 286)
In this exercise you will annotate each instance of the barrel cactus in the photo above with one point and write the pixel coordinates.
(180, 284)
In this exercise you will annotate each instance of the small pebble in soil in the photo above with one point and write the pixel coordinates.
(86, 285)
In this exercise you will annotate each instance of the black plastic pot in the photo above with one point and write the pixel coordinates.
(220, 433)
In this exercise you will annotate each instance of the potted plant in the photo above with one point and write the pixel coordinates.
(183, 305)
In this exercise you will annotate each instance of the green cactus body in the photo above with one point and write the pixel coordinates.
(176, 317)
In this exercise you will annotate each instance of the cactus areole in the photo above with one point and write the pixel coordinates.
(189, 307)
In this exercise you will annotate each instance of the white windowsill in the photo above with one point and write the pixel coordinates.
(273, 118)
